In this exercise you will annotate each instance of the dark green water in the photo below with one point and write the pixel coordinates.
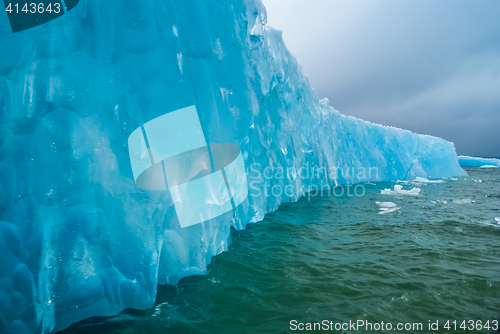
(336, 258)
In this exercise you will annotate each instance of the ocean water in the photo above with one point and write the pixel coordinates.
(406, 259)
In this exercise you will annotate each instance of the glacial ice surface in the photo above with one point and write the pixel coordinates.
(78, 238)
(466, 161)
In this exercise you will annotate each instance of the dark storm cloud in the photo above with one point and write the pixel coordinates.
(429, 66)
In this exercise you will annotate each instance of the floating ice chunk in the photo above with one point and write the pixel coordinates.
(463, 201)
(398, 190)
(386, 204)
(497, 219)
(489, 166)
(422, 180)
(387, 210)
(387, 207)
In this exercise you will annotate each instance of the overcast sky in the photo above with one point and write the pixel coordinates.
(429, 66)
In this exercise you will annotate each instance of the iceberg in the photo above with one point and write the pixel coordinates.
(466, 161)
(78, 237)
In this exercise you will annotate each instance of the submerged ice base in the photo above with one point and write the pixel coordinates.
(78, 238)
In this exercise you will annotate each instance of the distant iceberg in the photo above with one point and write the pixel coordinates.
(78, 237)
(466, 161)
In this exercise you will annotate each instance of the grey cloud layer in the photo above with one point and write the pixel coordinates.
(429, 66)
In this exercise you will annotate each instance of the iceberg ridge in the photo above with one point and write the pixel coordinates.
(466, 161)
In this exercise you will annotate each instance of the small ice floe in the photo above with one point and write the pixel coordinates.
(497, 219)
(398, 190)
(478, 181)
(489, 166)
(453, 179)
(383, 211)
(422, 180)
(463, 201)
(386, 204)
(387, 207)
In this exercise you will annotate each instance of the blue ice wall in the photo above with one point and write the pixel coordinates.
(78, 238)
